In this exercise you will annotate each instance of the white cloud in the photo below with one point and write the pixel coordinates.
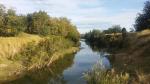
(125, 19)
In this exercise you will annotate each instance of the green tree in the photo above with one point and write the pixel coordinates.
(124, 33)
(73, 34)
(36, 22)
(113, 29)
(96, 37)
(2, 13)
(11, 23)
(143, 20)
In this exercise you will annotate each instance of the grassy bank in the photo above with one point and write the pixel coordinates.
(129, 55)
(135, 58)
(26, 52)
(99, 76)
(9, 48)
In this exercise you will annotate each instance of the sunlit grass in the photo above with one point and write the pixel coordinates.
(9, 46)
(44, 52)
(27, 52)
(144, 32)
(100, 76)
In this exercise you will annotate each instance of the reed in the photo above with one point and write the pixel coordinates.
(101, 76)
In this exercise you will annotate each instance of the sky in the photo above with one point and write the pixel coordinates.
(85, 14)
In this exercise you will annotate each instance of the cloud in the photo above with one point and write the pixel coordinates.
(86, 14)
(125, 19)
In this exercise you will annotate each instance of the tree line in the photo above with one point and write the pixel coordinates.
(110, 38)
(39, 23)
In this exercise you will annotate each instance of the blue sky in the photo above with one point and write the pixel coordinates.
(85, 14)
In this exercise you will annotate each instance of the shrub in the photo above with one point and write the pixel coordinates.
(38, 54)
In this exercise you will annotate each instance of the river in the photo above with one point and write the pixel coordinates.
(67, 70)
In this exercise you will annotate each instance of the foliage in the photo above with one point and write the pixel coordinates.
(114, 39)
(143, 20)
(40, 23)
(10, 23)
(102, 40)
(96, 37)
(63, 27)
(36, 23)
(74, 35)
(40, 54)
(113, 29)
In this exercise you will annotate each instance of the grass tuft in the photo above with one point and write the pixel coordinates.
(100, 76)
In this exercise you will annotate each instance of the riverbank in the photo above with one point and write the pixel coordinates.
(129, 55)
(15, 71)
(35, 52)
(9, 47)
(135, 58)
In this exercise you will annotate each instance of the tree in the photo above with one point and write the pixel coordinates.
(96, 37)
(124, 33)
(29, 23)
(143, 20)
(73, 35)
(113, 29)
(11, 24)
(36, 22)
(2, 13)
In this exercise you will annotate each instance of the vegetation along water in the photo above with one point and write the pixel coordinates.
(36, 48)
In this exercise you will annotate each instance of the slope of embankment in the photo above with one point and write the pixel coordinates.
(135, 59)
(26, 52)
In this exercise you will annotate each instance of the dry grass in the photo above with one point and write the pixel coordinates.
(27, 52)
(99, 76)
(136, 57)
(144, 32)
(9, 46)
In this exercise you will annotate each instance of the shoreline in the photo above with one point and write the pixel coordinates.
(21, 71)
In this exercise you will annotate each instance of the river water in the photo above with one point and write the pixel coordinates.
(67, 70)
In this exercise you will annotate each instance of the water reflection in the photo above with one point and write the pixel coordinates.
(104, 62)
(84, 60)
